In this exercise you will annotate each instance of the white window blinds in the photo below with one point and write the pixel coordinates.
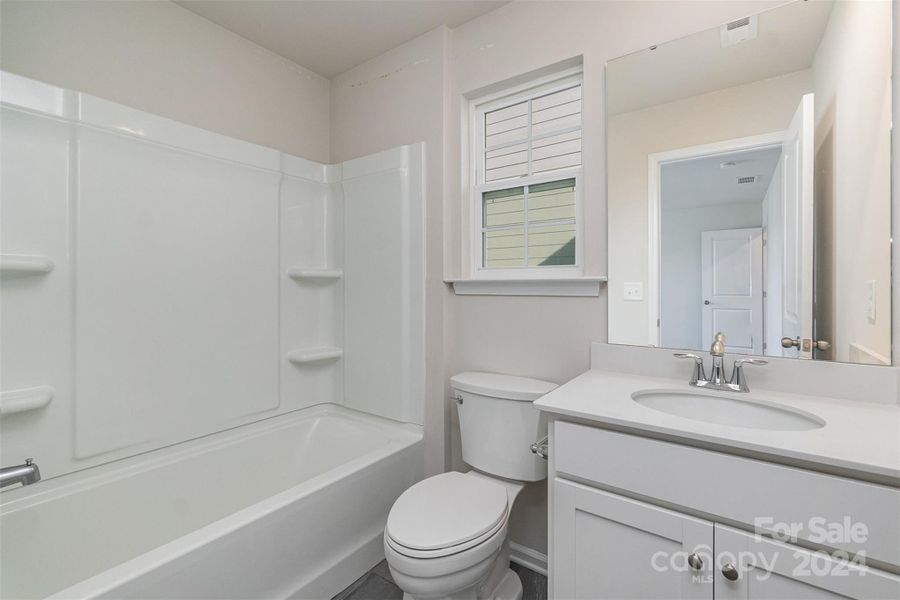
(537, 135)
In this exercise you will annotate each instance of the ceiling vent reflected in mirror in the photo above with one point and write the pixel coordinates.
(739, 31)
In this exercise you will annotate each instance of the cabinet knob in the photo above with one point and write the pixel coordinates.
(694, 561)
(730, 573)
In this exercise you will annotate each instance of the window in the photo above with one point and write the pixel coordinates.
(527, 180)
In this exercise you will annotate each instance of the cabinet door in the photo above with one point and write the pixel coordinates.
(611, 547)
(768, 569)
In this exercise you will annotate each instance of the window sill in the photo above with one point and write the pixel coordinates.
(556, 286)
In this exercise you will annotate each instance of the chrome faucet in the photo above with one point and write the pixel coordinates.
(717, 351)
(716, 380)
(25, 474)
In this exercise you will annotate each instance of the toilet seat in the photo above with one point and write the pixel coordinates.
(449, 550)
(446, 514)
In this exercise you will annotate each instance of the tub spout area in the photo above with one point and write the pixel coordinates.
(25, 474)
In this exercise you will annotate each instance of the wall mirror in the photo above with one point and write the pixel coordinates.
(749, 186)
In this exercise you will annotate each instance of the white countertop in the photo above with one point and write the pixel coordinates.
(860, 437)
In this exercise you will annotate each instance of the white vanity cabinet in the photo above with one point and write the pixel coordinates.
(635, 517)
(774, 570)
(609, 546)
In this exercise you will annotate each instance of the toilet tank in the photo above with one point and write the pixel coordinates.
(498, 423)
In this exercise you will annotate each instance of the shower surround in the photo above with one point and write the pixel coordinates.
(162, 283)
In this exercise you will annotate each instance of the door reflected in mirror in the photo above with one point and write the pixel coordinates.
(749, 186)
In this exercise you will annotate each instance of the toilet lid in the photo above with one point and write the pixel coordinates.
(446, 510)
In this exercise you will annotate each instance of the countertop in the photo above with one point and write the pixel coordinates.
(859, 439)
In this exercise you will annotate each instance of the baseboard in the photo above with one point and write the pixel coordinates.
(528, 558)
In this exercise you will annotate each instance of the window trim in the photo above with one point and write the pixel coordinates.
(476, 130)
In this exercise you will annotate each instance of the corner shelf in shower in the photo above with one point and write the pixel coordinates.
(25, 264)
(314, 355)
(301, 274)
(25, 399)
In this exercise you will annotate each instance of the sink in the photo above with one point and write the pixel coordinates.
(728, 408)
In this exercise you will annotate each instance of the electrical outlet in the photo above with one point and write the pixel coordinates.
(870, 300)
(634, 291)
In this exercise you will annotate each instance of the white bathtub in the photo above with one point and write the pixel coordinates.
(290, 507)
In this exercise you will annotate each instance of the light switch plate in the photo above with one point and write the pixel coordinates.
(634, 291)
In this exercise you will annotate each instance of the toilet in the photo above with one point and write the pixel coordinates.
(446, 536)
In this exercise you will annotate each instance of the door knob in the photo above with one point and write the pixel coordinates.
(823, 345)
(706, 302)
(695, 562)
(730, 573)
(787, 342)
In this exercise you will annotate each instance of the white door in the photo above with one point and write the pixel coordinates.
(751, 567)
(607, 547)
(797, 242)
(731, 275)
(773, 262)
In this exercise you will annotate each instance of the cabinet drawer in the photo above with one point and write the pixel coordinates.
(820, 508)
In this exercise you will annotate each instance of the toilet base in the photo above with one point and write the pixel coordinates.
(508, 588)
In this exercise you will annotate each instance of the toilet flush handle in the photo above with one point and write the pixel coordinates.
(541, 448)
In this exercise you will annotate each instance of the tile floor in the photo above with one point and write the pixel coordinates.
(377, 584)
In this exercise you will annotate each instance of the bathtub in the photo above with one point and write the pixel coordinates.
(289, 507)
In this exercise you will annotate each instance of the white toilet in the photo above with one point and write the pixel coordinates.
(446, 536)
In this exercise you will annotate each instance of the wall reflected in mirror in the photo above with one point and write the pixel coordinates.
(749, 186)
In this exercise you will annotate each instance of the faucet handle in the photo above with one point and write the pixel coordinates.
(737, 375)
(699, 372)
(750, 361)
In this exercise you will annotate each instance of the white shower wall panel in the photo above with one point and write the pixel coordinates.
(176, 296)
(164, 317)
(311, 310)
(35, 327)
(384, 311)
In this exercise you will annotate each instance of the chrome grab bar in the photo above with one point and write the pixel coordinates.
(541, 448)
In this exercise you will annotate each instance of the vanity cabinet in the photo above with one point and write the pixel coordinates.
(774, 570)
(609, 546)
(634, 517)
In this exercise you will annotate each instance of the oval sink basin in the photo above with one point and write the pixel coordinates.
(724, 409)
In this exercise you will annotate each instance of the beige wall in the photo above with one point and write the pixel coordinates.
(398, 98)
(895, 173)
(161, 58)
(547, 337)
(853, 127)
(760, 107)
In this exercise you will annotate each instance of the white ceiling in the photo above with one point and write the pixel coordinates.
(703, 182)
(787, 39)
(330, 37)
